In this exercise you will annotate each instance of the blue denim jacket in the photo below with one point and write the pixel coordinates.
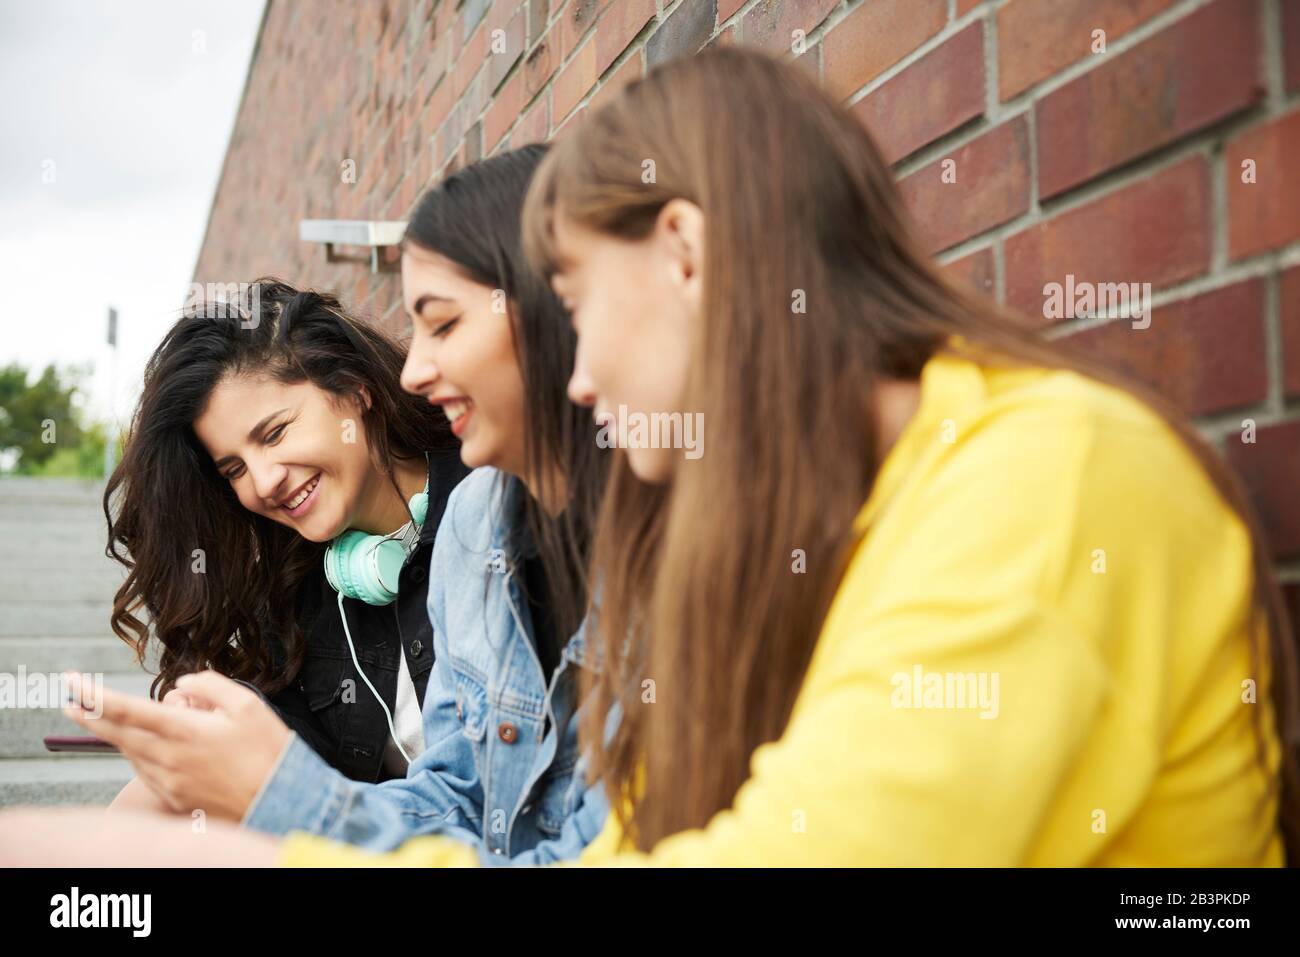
(489, 774)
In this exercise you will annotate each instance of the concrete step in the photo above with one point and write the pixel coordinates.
(37, 530)
(61, 566)
(63, 779)
(50, 491)
(50, 585)
(89, 512)
(23, 729)
(56, 593)
(55, 619)
(98, 654)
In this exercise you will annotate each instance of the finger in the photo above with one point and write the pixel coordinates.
(136, 744)
(177, 699)
(125, 709)
(139, 744)
(208, 689)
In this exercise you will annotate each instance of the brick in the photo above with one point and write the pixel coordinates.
(933, 96)
(1291, 44)
(631, 69)
(451, 133)
(1289, 302)
(435, 69)
(1269, 467)
(966, 6)
(438, 107)
(991, 187)
(811, 61)
(540, 65)
(1039, 38)
(617, 27)
(1192, 74)
(471, 16)
(533, 126)
(574, 22)
(573, 82)
(727, 8)
(502, 113)
(771, 23)
(501, 14)
(505, 49)
(1264, 214)
(442, 17)
(683, 33)
(538, 15)
(470, 60)
(874, 37)
(975, 269)
(474, 143)
(561, 127)
(1155, 230)
(474, 99)
(1205, 353)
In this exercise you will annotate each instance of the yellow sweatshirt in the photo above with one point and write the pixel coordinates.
(1038, 655)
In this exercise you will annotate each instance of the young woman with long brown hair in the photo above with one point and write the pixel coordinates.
(904, 493)
(902, 489)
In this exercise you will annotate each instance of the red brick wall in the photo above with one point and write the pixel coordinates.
(1117, 166)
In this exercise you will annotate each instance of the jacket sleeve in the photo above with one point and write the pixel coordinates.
(441, 790)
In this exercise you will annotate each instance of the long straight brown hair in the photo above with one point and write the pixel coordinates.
(796, 197)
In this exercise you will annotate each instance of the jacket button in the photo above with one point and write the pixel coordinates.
(507, 732)
(417, 573)
(416, 648)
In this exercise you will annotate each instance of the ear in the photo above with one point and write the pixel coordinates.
(365, 397)
(679, 229)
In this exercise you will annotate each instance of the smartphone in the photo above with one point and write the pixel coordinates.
(81, 743)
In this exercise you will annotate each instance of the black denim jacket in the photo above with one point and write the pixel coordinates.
(327, 703)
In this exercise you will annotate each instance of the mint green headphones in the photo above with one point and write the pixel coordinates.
(367, 567)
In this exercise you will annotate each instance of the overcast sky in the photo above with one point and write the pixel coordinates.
(127, 107)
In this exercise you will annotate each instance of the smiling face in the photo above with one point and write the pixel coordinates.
(633, 304)
(290, 455)
(462, 357)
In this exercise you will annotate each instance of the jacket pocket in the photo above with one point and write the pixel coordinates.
(321, 681)
(471, 707)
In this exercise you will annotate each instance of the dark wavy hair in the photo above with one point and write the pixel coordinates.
(166, 497)
(473, 218)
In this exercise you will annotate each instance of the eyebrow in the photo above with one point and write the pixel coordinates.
(253, 434)
(427, 298)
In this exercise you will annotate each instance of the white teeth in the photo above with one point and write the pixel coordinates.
(455, 410)
(302, 496)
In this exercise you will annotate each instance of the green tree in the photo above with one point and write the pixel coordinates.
(43, 426)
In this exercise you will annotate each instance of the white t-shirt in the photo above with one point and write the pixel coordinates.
(407, 720)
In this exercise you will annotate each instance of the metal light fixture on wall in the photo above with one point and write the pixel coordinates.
(374, 234)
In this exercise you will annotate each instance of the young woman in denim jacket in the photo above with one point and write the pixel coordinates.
(493, 347)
